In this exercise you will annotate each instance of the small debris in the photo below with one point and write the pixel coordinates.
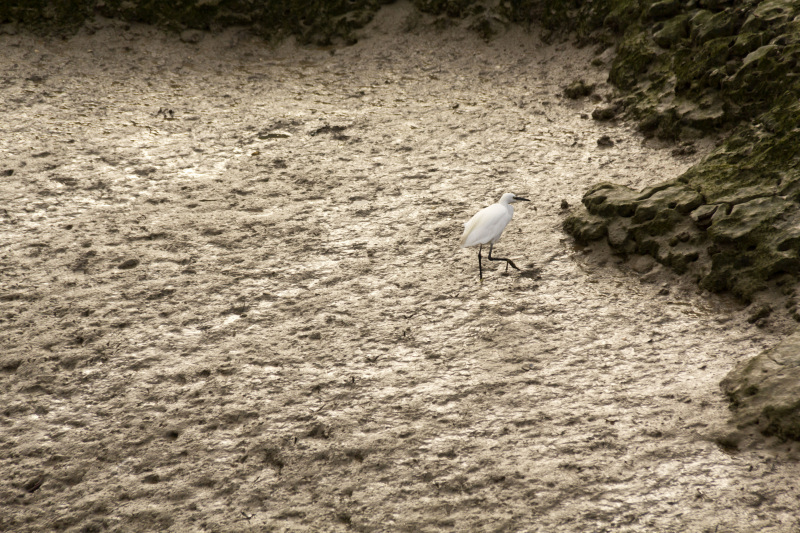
(564, 204)
(34, 484)
(327, 128)
(191, 36)
(275, 135)
(319, 431)
(128, 263)
(166, 112)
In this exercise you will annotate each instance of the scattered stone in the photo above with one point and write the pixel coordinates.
(191, 36)
(605, 141)
(686, 148)
(34, 484)
(761, 312)
(128, 263)
(564, 204)
(578, 89)
(605, 113)
(641, 264)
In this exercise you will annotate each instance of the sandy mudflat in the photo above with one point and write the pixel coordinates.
(249, 312)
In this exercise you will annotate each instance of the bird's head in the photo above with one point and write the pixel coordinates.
(510, 198)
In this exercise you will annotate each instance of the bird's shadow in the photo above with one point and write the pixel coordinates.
(532, 272)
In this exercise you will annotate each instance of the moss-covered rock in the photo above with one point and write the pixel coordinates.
(694, 68)
(765, 391)
(313, 21)
(635, 54)
(705, 25)
(672, 32)
(664, 9)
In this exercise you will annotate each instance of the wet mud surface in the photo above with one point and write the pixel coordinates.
(249, 312)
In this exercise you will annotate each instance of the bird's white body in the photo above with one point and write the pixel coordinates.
(486, 226)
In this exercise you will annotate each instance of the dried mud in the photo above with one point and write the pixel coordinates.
(248, 312)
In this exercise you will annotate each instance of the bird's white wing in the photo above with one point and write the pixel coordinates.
(486, 226)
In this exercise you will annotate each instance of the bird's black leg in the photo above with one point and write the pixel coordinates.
(480, 268)
(508, 261)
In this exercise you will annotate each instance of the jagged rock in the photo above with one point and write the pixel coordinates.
(705, 25)
(769, 14)
(746, 218)
(678, 197)
(744, 194)
(747, 42)
(754, 58)
(652, 222)
(765, 391)
(635, 54)
(664, 9)
(604, 113)
(619, 236)
(702, 215)
(672, 32)
(608, 199)
(704, 119)
(585, 227)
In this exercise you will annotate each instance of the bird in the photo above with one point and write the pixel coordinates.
(486, 227)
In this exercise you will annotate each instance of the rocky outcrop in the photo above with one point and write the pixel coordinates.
(765, 391)
(733, 220)
(692, 68)
(736, 242)
(322, 23)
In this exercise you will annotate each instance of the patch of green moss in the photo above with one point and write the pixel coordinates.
(698, 68)
(635, 53)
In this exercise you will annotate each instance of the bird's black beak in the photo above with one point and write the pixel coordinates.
(521, 199)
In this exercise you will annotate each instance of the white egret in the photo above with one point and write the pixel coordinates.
(486, 226)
